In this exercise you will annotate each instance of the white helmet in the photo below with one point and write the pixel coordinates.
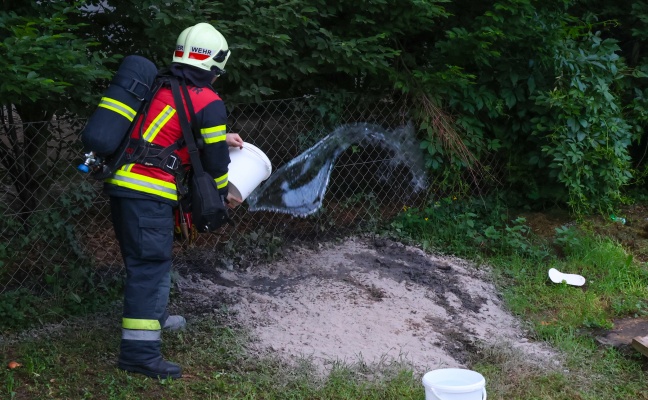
(202, 46)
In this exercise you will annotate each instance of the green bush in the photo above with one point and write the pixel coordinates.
(66, 281)
(468, 227)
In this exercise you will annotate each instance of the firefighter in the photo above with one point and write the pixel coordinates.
(142, 198)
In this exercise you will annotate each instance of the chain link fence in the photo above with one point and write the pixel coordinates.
(55, 221)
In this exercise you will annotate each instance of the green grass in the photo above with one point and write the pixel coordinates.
(616, 286)
(566, 317)
(78, 361)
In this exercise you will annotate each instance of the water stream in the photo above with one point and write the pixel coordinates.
(299, 186)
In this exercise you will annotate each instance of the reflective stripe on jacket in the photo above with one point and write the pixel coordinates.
(162, 127)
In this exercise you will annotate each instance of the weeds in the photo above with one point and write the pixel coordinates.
(81, 364)
(562, 315)
(79, 361)
(467, 228)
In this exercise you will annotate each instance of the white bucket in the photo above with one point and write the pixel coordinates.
(454, 384)
(248, 167)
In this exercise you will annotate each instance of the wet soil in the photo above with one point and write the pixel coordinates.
(371, 299)
(362, 300)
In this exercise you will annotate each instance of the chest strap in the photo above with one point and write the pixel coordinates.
(153, 155)
(140, 151)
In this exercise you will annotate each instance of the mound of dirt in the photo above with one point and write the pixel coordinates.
(364, 300)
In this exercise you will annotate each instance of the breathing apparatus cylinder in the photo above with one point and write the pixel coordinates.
(118, 108)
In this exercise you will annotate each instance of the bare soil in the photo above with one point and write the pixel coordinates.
(362, 300)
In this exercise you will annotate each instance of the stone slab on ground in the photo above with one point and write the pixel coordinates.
(624, 331)
(641, 344)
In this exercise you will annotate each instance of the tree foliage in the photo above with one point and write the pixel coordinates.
(546, 86)
(47, 61)
(553, 89)
(282, 48)
(46, 65)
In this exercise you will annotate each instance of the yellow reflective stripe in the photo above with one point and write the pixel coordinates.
(221, 181)
(141, 324)
(214, 134)
(144, 184)
(118, 107)
(158, 123)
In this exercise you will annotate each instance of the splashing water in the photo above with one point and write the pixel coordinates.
(298, 187)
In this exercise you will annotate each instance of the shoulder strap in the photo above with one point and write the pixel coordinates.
(186, 129)
(137, 150)
(196, 133)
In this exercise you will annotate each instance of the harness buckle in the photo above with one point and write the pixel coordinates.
(173, 162)
(133, 89)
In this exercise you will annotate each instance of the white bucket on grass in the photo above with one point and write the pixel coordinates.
(248, 167)
(454, 384)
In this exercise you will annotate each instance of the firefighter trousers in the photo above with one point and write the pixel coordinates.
(144, 229)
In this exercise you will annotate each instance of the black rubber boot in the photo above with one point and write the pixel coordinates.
(143, 357)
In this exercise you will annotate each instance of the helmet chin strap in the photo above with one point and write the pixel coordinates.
(218, 71)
